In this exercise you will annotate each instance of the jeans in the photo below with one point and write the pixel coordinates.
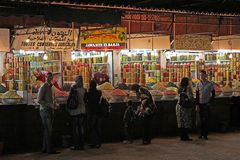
(95, 123)
(147, 128)
(204, 114)
(47, 121)
(78, 132)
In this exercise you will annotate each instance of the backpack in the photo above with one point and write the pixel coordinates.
(72, 102)
(105, 107)
(184, 100)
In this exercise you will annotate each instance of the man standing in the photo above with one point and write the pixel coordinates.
(46, 101)
(205, 94)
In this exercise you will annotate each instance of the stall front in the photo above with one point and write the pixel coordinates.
(18, 121)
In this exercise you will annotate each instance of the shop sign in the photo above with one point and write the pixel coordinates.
(4, 40)
(192, 42)
(56, 39)
(104, 39)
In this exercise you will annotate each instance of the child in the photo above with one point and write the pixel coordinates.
(128, 119)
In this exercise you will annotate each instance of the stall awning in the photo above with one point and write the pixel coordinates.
(22, 12)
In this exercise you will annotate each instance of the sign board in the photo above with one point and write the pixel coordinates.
(4, 40)
(192, 42)
(148, 42)
(226, 42)
(56, 39)
(104, 39)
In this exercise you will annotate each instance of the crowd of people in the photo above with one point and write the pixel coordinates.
(85, 105)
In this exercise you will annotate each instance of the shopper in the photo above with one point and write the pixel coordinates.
(94, 114)
(205, 94)
(184, 108)
(46, 101)
(145, 111)
(78, 113)
(128, 119)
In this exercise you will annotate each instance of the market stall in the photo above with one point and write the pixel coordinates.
(159, 70)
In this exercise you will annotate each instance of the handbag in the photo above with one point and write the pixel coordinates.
(184, 100)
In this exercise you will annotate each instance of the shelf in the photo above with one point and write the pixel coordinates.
(56, 72)
(140, 61)
(68, 81)
(151, 70)
(15, 80)
(50, 61)
(183, 61)
(97, 63)
(215, 61)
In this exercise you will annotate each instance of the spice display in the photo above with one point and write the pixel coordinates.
(11, 94)
(119, 92)
(105, 86)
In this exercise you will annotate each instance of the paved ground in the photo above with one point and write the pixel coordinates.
(218, 147)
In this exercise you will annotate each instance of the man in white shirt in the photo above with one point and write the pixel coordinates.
(205, 94)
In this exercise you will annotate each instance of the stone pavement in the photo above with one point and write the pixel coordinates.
(225, 146)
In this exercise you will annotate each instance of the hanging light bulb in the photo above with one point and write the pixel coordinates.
(27, 40)
(45, 56)
(197, 58)
(53, 42)
(73, 57)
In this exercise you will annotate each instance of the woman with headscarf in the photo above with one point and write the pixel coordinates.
(145, 111)
(94, 114)
(78, 115)
(183, 113)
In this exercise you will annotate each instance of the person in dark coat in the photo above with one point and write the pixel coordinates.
(94, 114)
(78, 115)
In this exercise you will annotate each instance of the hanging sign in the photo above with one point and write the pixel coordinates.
(4, 40)
(193, 42)
(40, 38)
(104, 39)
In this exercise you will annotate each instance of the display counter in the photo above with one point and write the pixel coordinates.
(21, 128)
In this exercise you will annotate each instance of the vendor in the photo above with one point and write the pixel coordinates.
(101, 77)
(55, 81)
(40, 75)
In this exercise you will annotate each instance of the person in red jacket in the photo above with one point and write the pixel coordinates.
(101, 77)
(40, 76)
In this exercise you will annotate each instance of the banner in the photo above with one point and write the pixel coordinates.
(193, 42)
(4, 40)
(104, 39)
(55, 39)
